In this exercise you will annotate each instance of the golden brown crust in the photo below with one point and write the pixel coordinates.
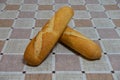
(40, 46)
(81, 44)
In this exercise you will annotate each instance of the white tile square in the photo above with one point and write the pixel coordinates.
(77, 2)
(102, 22)
(111, 46)
(14, 1)
(44, 14)
(4, 33)
(96, 65)
(69, 76)
(95, 7)
(118, 31)
(81, 15)
(8, 14)
(117, 76)
(114, 14)
(26, 23)
(13, 76)
(71, 23)
(119, 4)
(16, 46)
(45, 66)
(107, 2)
(88, 32)
(29, 7)
(45, 2)
(62, 49)
(2, 6)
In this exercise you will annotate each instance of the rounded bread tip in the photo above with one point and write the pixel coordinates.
(97, 53)
(66, 8)
(31, 62)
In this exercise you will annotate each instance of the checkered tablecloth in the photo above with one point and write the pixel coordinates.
(20, 20)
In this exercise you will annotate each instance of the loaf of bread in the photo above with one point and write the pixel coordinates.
(41, 45)
(81, 44)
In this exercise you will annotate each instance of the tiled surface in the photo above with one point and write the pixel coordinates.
(94, 7)
(102, 22)
(20, 34)
(81, 14)
(15, 46)
(24, 22)
(99, 76)
(6, 22)
(4, 33)
(28, 7)
(113, 14)
(69, 76)
(99, 65)
(88, 32)
(98, 15)
(38, 77)
(111, 46)
(1, 45)
(12, 7)
(43, 14)
(114, 59)
(83, 23)
(20, 20)
(71, 61)
(8, 14)
(4, 76)
(11, 63)
(106, 33)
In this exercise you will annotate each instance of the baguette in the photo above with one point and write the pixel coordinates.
(41, 45)
(81, 44)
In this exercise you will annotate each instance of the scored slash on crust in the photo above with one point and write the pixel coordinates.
(38, 38)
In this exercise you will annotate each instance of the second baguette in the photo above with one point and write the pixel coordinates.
(81, 44)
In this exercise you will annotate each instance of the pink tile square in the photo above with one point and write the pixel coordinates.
(83, 23)
(6, 22)
(1, 44)
(67, 62)
(3, 1)
(98, 15)
(11, 63)
(111, 7)
(12, 7)
(45, 7)
(26, 14)
(40, 22)
(116, 22)
(99, 76)
(38, 76)
(21, 33)
(107, 33)
(115, 61)
(78, 7)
